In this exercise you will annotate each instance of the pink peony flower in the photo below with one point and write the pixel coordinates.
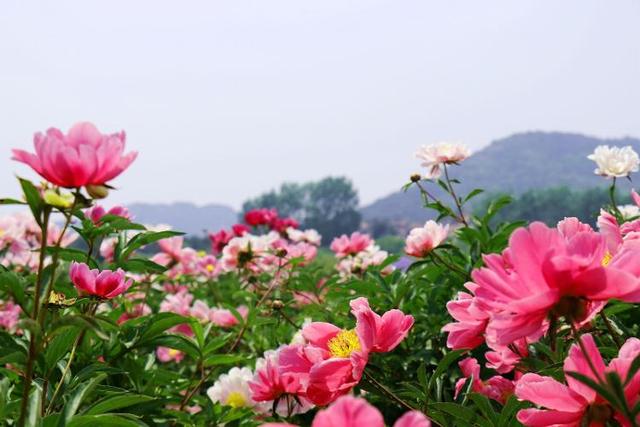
(443, 153)
(82, 157)
(9, 315)
(576, 404)
(97, 212)
(350, 245)
(350, 411)
(423, 240)
(286, 391)
(225, 318)
(497, 387)
(103, 284)
(166, 354)
(282, 224)
(333, 360)
(542, 273)
(471, 317)
(263, 216)
(138, 310)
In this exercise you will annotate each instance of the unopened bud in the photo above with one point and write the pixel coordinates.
(53, 198)
(277, 304)
(97, 191)
(281, 253)
(416, 177)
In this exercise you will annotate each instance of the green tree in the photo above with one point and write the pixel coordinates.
(329, 205)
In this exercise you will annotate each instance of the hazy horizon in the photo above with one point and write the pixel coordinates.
(224, 101)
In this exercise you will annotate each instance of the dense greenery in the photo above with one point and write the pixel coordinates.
(329, 206)
(551, 205)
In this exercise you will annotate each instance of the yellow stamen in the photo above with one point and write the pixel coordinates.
(173, 352)
(210, 268)
(344, 344)
(606, 259)
(236, 400)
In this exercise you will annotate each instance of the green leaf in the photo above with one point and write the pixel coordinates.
(32, 196)
(159, 323)
(143, 239)
(14, 285)
(71, 254)
(104, 420)
(117, 401)
(80, 393)
(483, 403)
(508, 410)
(141, 265)
(59, 346)
(8, 201)
(223, 359)
(33, 408)
(447, 360)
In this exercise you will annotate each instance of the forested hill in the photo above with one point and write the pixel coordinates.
(514, 164)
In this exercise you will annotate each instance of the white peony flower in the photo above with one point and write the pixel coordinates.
(615, 162)
(435, 155)
(629, 211)
(310, 236)
(232, 389)
(423, 240)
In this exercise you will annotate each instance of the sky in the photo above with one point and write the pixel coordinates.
(224, 100)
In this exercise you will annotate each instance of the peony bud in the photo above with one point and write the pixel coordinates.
(53, 198)
(97, 191)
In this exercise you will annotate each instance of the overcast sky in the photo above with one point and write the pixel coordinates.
(225, 100)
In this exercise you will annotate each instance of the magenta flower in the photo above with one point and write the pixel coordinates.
(104, 284)
(356, 412)
(497, 387)
(82, 157)
(350, 245)
(576, 404)
(333, 360)
(96, 213)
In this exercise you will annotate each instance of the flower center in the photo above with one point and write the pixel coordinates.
(344, 344)
(236, 399)
(571, 308)
(606, 259)
(210, 268)
(599, 413)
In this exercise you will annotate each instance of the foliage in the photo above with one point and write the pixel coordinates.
(329, 206)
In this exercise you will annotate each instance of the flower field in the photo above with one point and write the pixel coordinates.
(108, 322)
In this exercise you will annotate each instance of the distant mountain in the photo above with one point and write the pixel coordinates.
(514, 164)
(186, 217)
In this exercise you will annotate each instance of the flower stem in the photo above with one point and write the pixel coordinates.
(380, 387)
(611, 329)
(28, 376)
(583, 349)
(447, 264)
(455, 197)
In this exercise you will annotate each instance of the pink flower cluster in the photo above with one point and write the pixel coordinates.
(9, 315)
(269, 218)
(568, 272)
(182, 303)
(20, 240)
(331, 360)
(267, 253)
(349, 411)
(357, 253)
(577, 404)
